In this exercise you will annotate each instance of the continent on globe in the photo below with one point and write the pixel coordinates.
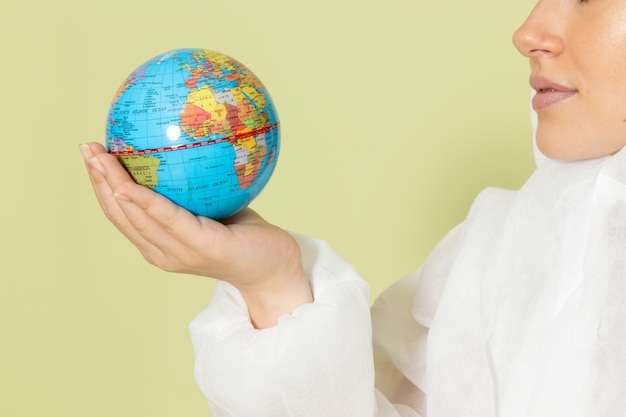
(142, 168)
(198, 127)
(250, 153)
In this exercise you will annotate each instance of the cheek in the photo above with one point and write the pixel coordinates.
(608, 113)
(598, 48)
(606, 51)
(602, 115)
(612, 27)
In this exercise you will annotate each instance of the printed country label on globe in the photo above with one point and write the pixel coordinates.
(198, 127)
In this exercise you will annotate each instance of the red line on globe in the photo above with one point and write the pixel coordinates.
(196, 144)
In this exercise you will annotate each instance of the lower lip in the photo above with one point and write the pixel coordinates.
(543, 100)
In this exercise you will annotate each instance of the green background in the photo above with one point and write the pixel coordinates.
(395, 114)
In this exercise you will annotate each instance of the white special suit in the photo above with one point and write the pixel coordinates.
(519, 311)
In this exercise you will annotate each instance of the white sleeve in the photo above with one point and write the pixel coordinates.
(401, 319)
(315, 362)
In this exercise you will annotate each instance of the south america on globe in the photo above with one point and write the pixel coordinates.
(198, 127)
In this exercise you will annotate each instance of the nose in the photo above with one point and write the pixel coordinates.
(539, 35)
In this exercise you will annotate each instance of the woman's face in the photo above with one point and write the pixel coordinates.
(577, 53)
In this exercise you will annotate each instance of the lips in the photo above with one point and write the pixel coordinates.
(549, 93)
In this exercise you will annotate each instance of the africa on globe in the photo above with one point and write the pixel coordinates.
(198, 127)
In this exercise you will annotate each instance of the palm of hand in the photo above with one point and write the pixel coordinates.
(244, 250)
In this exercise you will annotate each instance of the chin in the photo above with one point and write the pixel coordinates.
(556, 149)
(562, 147)
(571, 153)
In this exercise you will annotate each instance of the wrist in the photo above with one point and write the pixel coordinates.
(281, 295)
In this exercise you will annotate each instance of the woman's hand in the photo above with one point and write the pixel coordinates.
(259, 259)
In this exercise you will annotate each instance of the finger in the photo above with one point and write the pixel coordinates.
(136, 203)
(92, 148)
(165, 251)
(99, 184)
(149, 228)
(104, 194)
(167, 219)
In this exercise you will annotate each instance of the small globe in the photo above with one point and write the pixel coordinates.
(199, 128)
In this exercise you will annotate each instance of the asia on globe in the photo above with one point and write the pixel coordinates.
(198, 127)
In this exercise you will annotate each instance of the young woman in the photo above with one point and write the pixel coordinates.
(519, 311)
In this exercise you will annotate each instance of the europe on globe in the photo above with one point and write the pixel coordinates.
(198, 127)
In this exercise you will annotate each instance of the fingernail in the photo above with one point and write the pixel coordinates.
(85, 150)
(121, 197)
(95, 164)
